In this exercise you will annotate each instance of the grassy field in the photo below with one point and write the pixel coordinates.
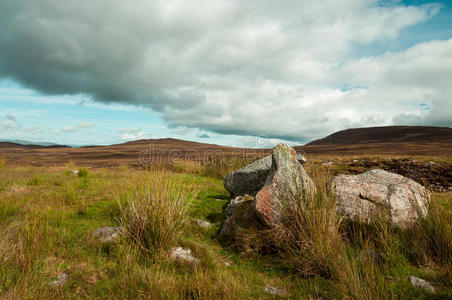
(48, 216)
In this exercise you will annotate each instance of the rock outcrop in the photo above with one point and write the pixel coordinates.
(287, 180)
(364, 196)
(275, 180)
(251, 178)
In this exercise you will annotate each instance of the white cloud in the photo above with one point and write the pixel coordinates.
(69, 129)
(130, 134)
(285, 69)
(10, 123)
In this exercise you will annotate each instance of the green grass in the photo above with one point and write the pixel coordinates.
(48, 216)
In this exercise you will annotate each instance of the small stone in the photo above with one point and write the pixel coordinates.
(75, 171)
(274, 291)
(327, 163)
(421, 283)
(227, 264)
(61, 279)
(202, 223)
(179, 253)
(108, 234)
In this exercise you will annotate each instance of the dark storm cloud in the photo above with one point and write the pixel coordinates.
(230, 67)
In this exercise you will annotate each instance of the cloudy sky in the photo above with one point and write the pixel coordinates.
(230, 72)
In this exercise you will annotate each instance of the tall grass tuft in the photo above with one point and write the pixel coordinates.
(82, 172)
(311, 242)
(430, 239)
(157, 211)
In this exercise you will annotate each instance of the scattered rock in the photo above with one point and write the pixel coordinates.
(363, 196)
(61, 279)
(179, 253)
(108, 234)
(421, 283)
(274, 291)
(202, 223)
(327, 163)
(286, 180)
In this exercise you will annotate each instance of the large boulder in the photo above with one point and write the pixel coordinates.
(362, 197)
(249, 179)
(287, 180)
(252, 178)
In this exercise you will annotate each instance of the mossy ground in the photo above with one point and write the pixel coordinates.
(48, 216)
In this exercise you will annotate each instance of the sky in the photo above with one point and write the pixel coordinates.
(229, 72)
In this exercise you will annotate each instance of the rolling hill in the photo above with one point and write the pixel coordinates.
(390, 140)
(393, 141)
(388, 134)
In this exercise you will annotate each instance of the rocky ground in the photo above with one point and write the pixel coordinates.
(436, 175)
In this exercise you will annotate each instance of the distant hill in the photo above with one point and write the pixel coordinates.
(18, 143)
(389, 140)
(387, 134)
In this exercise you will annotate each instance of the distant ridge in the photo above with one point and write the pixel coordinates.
(15, 144)
(387, 134)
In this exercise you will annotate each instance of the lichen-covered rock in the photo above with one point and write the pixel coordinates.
(286, 181)
(251, 178)
(364, 196)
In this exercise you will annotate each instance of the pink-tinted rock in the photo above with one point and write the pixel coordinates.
(286, 182)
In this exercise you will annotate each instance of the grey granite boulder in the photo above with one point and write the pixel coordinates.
(287, 181)
(362, 197)
(251, 178)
